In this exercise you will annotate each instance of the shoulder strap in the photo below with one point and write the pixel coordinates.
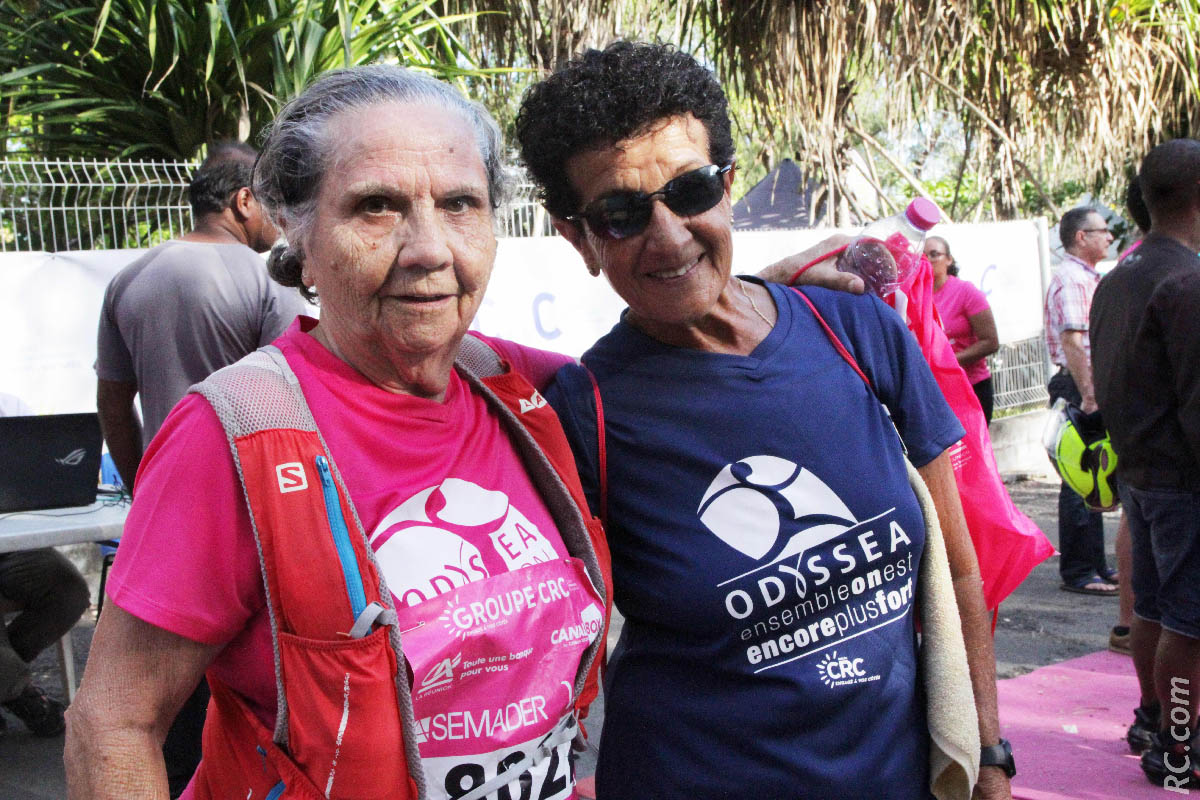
(537, 435)
(601, 450)
(478, 357)
(834, 340)
(258, 397)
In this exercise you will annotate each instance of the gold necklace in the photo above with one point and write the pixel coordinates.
(753, 304)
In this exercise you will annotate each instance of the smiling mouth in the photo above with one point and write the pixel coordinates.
(423, 299)
(678, 272)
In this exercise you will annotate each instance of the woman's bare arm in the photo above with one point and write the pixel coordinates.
(976, 621)
(824, 273)
(983, 326)
(137, 678)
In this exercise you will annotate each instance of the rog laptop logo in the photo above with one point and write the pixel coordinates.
(74, 458)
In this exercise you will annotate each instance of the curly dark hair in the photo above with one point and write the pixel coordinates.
(602, 97)
(229, 167)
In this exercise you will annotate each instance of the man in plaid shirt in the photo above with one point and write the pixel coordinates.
(1085, 237)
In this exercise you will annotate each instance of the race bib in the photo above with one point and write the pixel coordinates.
(494, 666)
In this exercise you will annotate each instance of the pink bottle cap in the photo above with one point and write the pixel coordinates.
(923, 213)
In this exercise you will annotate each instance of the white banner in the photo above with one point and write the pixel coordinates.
(1002, 260)
(540, 295)
(48, 318)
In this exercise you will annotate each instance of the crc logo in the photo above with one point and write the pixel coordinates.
(291, 477)
(764, 505)
(838, 670)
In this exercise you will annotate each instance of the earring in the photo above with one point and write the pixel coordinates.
(594, 269)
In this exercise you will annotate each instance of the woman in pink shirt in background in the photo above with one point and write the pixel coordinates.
(966, 318)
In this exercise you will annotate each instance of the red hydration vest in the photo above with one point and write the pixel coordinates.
(344, 726)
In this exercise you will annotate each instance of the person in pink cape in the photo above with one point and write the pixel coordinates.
(966, 318)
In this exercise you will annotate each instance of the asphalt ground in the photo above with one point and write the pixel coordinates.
(1038, 625)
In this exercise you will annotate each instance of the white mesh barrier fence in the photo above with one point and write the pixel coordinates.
(1019, 374)
(56, 205)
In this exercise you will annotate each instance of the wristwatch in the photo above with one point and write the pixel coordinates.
(999, 755)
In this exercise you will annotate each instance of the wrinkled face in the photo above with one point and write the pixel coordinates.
(402, 244)
(938, 255)
(1093, 239)
(673, 271)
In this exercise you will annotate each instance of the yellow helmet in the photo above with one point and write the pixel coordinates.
(1082, 455)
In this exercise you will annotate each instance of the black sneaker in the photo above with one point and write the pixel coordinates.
(1172, 767)
(1141, 732)
(41, 715)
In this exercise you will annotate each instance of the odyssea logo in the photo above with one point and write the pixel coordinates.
(422, 544)
(821, 575)
(741, 507)
(838, 670)
(588, 628)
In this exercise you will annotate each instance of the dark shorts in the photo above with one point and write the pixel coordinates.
(1165, 528)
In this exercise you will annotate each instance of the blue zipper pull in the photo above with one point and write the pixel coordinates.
(341, 539)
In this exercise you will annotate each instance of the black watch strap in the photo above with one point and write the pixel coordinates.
(999, 755)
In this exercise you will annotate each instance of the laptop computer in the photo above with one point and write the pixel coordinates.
(49, 461)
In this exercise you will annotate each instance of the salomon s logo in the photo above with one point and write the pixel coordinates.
(291, 477)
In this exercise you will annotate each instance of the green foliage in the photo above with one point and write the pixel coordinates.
(162, 78)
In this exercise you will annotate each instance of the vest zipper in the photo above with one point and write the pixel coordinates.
(341, 539)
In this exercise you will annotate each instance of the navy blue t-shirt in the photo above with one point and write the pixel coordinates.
(765, 544)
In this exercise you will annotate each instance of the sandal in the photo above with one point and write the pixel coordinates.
(1094, 585)
(1111, 576)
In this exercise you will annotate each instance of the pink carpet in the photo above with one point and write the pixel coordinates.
(1067, 726)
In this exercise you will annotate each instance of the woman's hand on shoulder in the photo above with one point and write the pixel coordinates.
(824, 273)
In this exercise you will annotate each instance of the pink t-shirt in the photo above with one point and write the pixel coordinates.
(955, 302)
(188, 563)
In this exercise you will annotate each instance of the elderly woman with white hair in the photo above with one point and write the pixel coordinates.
(388, 574)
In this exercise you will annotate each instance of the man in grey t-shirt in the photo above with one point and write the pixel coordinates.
(170, 319)
(188, 307)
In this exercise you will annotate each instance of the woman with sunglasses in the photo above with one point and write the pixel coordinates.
(967, 319)
(763, 530)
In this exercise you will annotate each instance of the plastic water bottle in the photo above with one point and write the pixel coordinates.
(889, 249)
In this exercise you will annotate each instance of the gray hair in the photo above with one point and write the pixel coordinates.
(1072, 223)
(297, 149)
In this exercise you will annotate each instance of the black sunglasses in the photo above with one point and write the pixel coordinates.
(624, 214)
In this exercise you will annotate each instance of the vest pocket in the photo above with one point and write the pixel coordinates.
(344, 726)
